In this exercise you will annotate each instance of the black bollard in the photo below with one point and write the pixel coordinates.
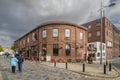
(55, 64)
(83, 67)
(66, 65)
(106, 63)
(110, 66)
(104, 68)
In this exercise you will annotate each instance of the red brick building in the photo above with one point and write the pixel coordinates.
(110, 38)
(59, 40)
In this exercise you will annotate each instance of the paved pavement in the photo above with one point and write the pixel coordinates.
(47, 71)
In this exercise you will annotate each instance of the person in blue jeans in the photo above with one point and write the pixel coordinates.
(20, 62)
(13, 62)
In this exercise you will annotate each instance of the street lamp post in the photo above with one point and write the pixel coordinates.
(101, 16)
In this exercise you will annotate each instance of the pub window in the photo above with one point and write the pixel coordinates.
(44, 49)
(55, 49)
(68, 49)
(98, 54)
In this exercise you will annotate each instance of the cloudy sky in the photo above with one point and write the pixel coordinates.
(18, 17)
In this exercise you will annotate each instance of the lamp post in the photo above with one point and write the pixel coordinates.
(101, 16)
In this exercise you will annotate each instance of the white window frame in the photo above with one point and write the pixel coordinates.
(55, 32)
(67, 32)
(81, 35)
(89, 26)
(28, 39)
(98, 33)
(89, 35)
(98, 24)
(44, 33)
(24, 41)
(33, 36)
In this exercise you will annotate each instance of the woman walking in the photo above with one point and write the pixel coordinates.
(13, 62)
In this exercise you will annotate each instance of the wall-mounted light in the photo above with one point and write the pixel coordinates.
(81, 46)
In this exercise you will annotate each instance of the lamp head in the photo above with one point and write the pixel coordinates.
(112, 4)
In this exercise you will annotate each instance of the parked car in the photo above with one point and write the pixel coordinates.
(1, 53)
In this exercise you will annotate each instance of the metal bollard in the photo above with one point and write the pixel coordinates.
(106, 62)
(83, 67)
(55, 64)
(110, 67)
(104, 68)
(66, 65)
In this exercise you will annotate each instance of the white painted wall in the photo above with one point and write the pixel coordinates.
(98, 51)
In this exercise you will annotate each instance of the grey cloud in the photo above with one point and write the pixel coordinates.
(17, 17)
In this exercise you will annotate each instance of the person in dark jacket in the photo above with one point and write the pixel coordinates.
(20, 62)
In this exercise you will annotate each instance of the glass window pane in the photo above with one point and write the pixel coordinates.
(44, 33)
(55, 49)
(55, 32)
(89, 35)
(68, 49)
(81, 35)
(67, 32)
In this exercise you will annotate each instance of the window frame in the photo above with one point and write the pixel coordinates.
(68, 49)
(67, 32)
(54, 31)
(55, 49)
(81, 36)
(44, 33)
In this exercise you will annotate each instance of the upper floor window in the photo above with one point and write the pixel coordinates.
(81, 35)
(89, 27)
(89, 35)
(98, 33)
(67, 32)
(98, 24)
(20, 43)
(24, 41)
(28, 40)
(34, 36)
(44, 33)
(55, 32)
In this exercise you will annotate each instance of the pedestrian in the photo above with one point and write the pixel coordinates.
(37, 59)
(89, 59)
(13, 62)
(20, 62)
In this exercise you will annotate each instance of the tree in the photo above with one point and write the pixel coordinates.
(1, 48)
(12, 47)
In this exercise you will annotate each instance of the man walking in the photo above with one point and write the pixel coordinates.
(20, 62)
